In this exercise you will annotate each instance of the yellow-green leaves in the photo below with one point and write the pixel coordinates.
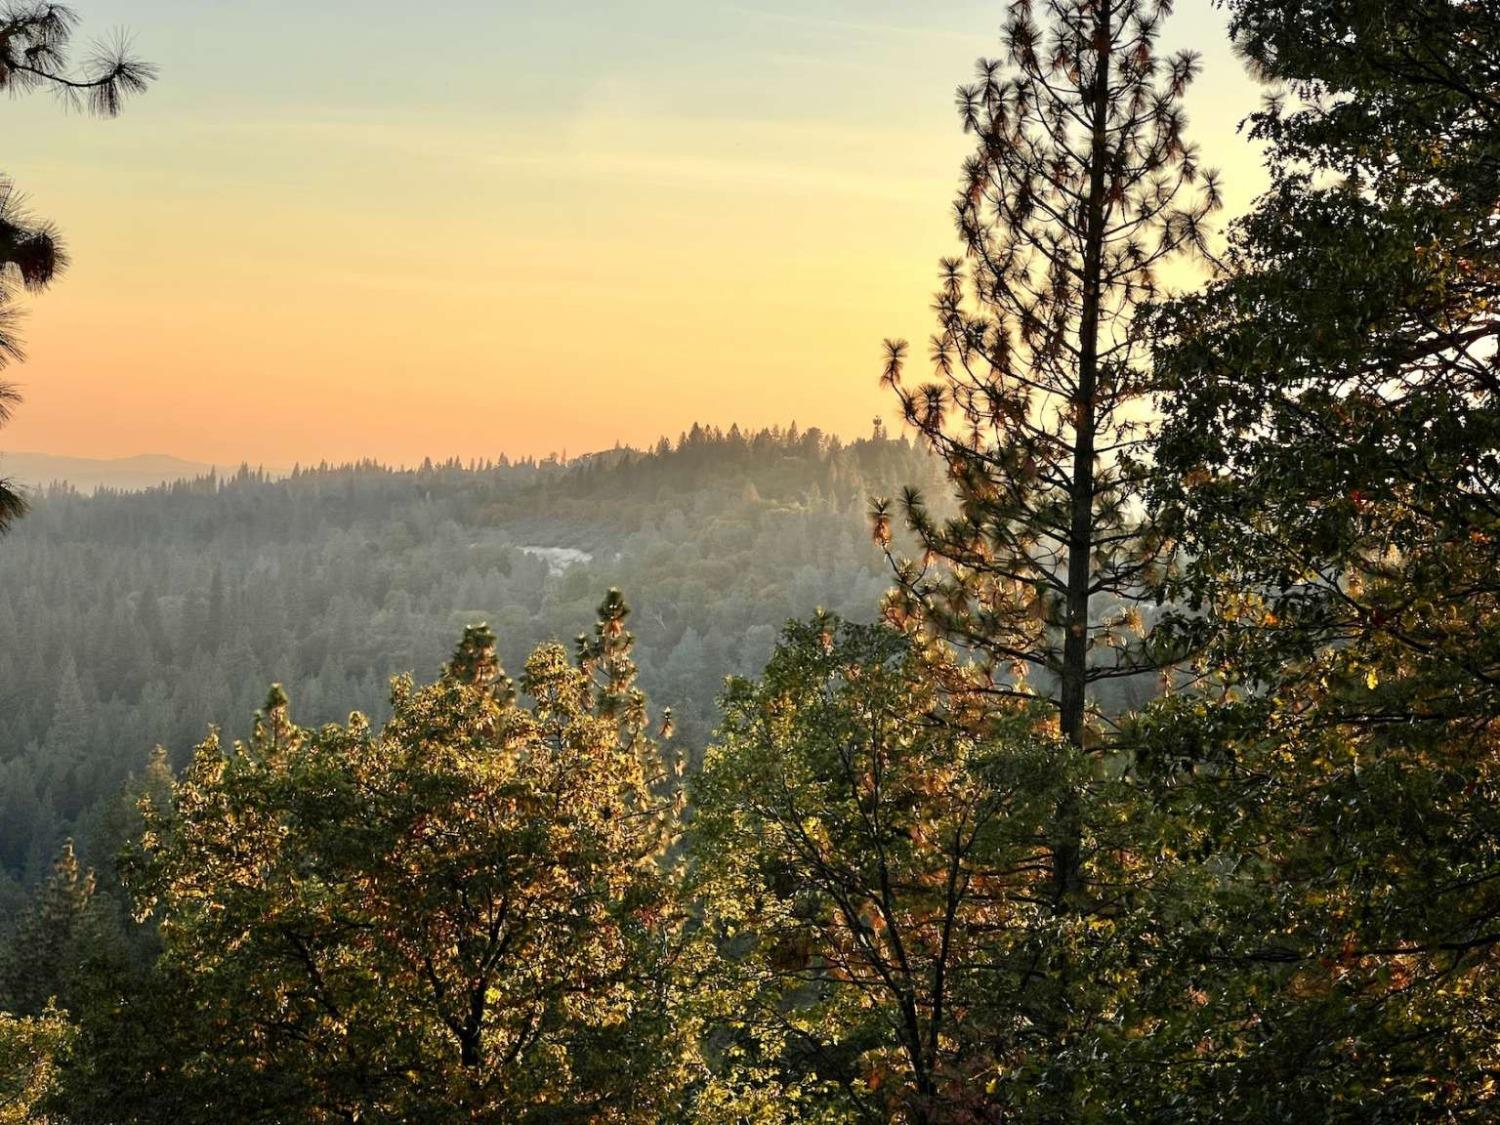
(461, 914)
(869, 845)
(30, 1050)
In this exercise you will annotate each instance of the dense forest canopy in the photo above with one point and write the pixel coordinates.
(140, 619)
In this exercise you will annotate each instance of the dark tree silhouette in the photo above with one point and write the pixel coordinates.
(36, 54)
(1081, 187)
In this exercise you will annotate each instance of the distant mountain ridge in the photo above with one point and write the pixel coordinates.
(88, 474)
(39, 471)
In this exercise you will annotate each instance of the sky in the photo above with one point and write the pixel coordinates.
(360, 228)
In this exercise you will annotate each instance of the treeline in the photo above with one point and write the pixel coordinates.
(136, 620)
(929, 869)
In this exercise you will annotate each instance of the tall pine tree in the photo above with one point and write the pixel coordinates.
(1082, 187)
(66, 941)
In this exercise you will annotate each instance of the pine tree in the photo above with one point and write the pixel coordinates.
(34, 49)
(63, 943)
(475, 662)
(1082, 187)
(68, 732)
(65, 765)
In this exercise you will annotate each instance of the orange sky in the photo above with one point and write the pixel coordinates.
(572, 223)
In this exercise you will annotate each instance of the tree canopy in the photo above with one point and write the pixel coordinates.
(465, 913)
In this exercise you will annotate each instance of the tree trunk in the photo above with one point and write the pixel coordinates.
(1074, 689)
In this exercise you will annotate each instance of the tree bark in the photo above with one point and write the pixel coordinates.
(1073, 704)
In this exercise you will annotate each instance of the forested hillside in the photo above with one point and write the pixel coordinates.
(139, 619)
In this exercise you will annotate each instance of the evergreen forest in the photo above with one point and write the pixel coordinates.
(140, 619)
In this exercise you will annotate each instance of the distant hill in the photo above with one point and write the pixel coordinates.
(136, 618)
(88, 474)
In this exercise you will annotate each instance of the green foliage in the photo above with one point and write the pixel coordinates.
(933, 874)
(29, 1049)
(465, 914)
(1081, 187)
(67, 940)
(77, 951)
(871, 842)
(1331, 454)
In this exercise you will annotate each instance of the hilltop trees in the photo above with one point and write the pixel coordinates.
(35, 52)
(463, 914)
(119, 635)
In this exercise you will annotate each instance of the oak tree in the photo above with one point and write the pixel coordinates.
(1331, 455)
(464, 915)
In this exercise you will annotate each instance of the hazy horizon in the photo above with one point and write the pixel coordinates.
(587, 226)
(564, 454)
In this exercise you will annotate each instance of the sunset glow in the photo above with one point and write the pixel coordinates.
(549, 227)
